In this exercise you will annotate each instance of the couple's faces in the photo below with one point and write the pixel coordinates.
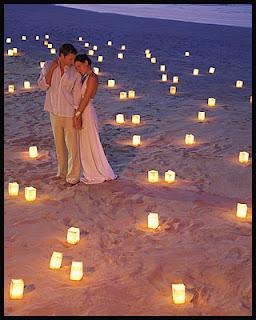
(81, 67)
(68, 59)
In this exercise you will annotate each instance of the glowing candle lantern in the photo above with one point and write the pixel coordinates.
(211, 70)
(136, 140)
(109, 43)
(243, 157)
(90, 52)
(131, 94)
(73, 235)
(15, 50)
(211, 102)
(189, 139)
(46, 43)
(95, 48)
(136, 119)
(16, 289)
(8, 40)
(148, 55)
(147, 51)
(239, 83)
(56, 260)
(42, 64)
(11, 88)
(123, 95)
(164, 77)
(46, 36)
(37, 37)
(250, 99)
(27, 85)
(96, 70)
(173, 90)
(13, 189)
(30, 193)
(153, 60)
(195, 72)
(153, 220)
(76, 272)
(24, 38)
(120, 118)
(53, 51)
(111, 83)
(201, 116)
(10, 52)
(100, 58)
(33, 152)
(120, 55)
(241, 210)
(178, 293)
(87, 44)
(175, 79)
(49, 46)
(162, 67)
(169, 176)
(123, 47)
(187, 54)
(153, 176)
(80, 38)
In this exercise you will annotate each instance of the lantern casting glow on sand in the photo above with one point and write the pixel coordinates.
(49, 46)
(95, 48)
(189, 139)
(123, 47)
(136, 119)
(56, 260)
(46, 36)
(243, 157)
(147, 51)
(148, 55)
(100, 58)
(30, 193)
(162, 67)
(201, 115)
(27, 85)
(195, 72)
(24, 38)
(53, 51)
(250, 99)
(241, 210)
(120, 118)
(153, 221)
(164, 77)
(211, 102)
(87, 44)
(37, 37)
(239, 83)
(178, 293)
(10, 52)
(120, 55)
(11, 88)
(73, 235)
(80, 38)
(173, 90)
(175, 79)
(90, 52)
(169, 176)
(33, 152)
(15, 50)
(136, 140)
(123, 95)
(187, 54)
(46, 43)
(16, 289)
(109, 43)
(76, 272)
(153, 176)
(111, 83)
(96, 70)
(13, 189)
(42, 64)
(211, 70)
(8, 40)
(131, 94)
(153, 60)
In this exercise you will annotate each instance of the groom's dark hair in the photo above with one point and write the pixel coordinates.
(82, 57)
(67, 48)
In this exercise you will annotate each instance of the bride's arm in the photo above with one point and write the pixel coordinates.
(92, 84)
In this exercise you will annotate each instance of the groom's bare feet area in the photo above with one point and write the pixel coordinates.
(57, 178)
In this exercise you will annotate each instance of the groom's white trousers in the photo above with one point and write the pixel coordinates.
(67, 147)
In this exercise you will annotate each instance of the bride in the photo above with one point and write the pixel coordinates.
(96, 168)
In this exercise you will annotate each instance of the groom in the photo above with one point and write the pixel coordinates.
(62, 84)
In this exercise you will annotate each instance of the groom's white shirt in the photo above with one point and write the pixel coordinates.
(64, 93)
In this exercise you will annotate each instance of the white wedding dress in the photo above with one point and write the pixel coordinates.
(96, 168)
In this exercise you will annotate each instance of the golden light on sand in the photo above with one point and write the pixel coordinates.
(123, 95)
(90, 52)
(87, 44)
(148, 55)
(33, 152)
(173, 90)
(96, 70)
(8, 40)
(37, 37)
(46, 36)
(162, 67)
(211, 70)
(136, 140)
(16, 289)
(187, 54)
(241, 210)
(175, 79)
(153, 176)
(11, 88)
(42, 63)
(23, 38)
(169, 176)
(76, 272)
(15, 50)
(120, 55)
(10, 52)
(46, 43)
(80, 38)
(195, 72)
(178, 293)
(201, 115)
(56, 260)
(136, 119)
(243, 157)
(30, 193)
(111, 83)
(13, 189)
(153, 220)
(189, 139)
(73, 235)
(95, 48)
(119, 118)
(250, 99)
(131, 94)
(49, 46)
(109, 43)
(100, 58)
(164, 77)
(53, 51)
(239, 83)
(153, 60)
(211, 102)
(26, 84)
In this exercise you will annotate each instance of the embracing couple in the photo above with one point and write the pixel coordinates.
(71, 86)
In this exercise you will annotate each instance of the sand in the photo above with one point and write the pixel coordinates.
(128, 268)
